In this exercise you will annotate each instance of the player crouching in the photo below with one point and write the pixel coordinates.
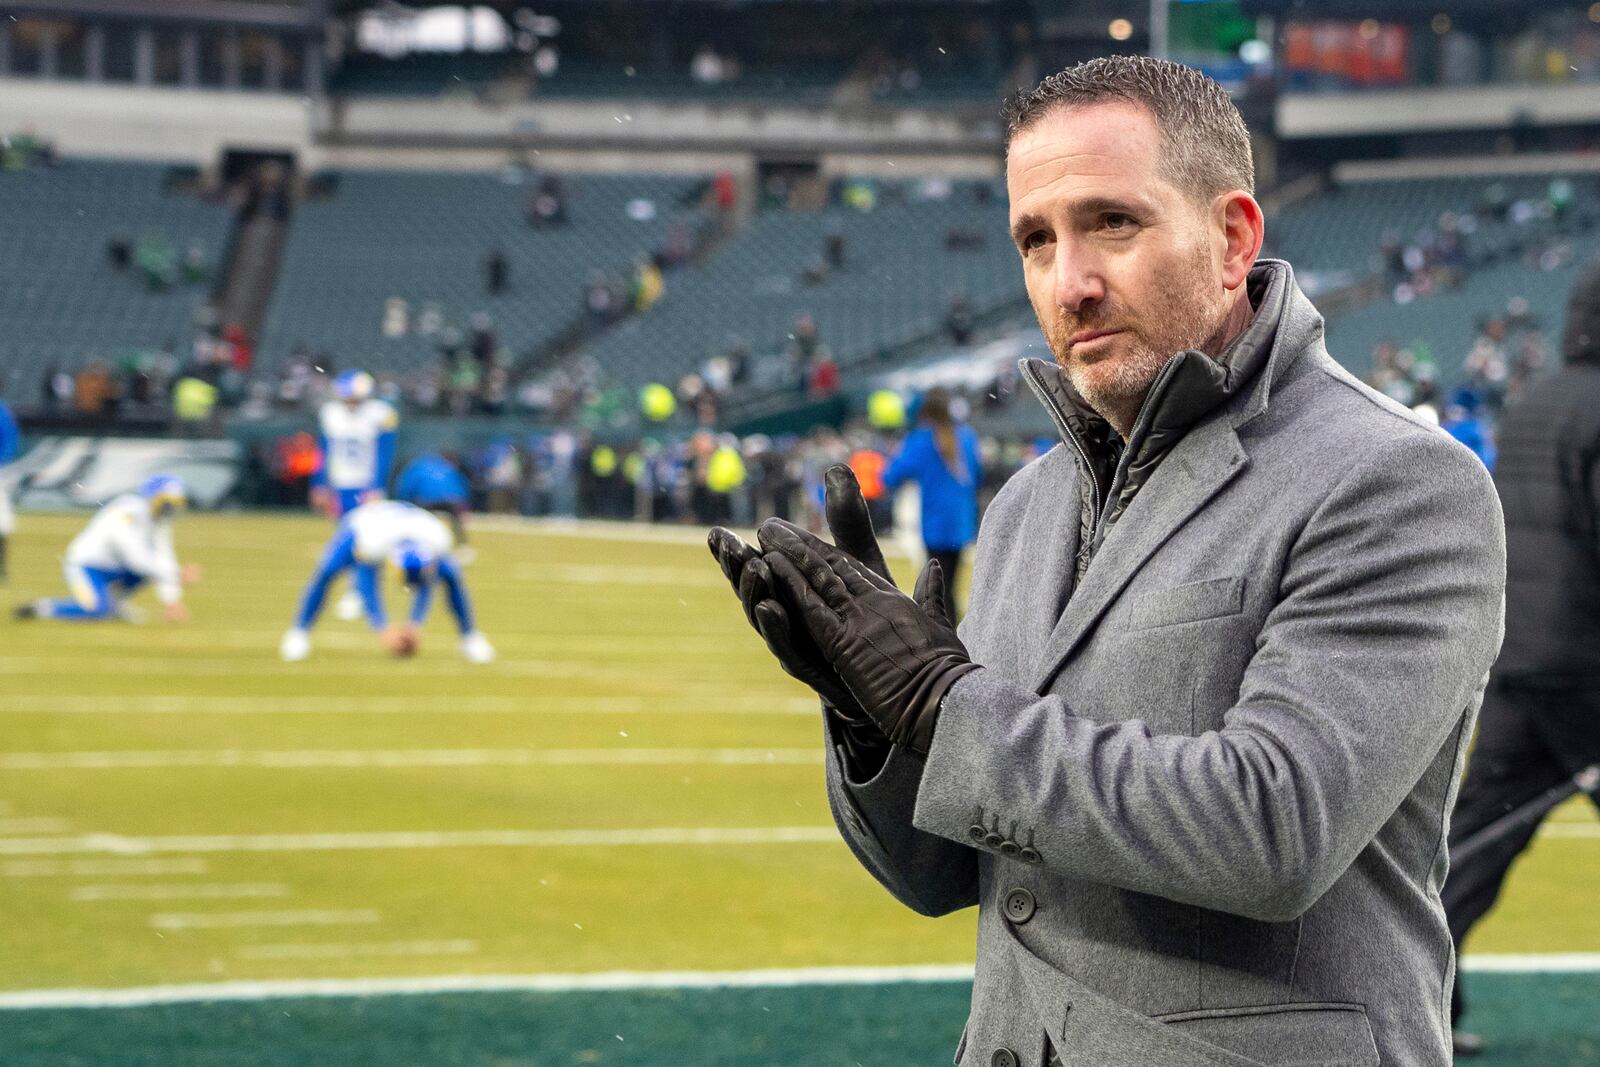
(127, 544)
(417, 545)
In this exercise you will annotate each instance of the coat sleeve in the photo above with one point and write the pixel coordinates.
(925, 872)
(1388, 616)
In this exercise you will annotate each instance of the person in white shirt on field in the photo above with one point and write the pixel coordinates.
(126, 546)
(418, 546)
(357, 433)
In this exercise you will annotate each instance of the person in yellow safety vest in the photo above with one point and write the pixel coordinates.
(193, 400)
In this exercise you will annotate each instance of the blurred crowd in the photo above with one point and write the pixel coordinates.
(700, 479)
(1535, 231)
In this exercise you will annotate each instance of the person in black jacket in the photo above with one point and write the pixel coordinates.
(1540, 722)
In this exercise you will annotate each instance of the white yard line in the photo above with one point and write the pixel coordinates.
(1566, 963)
(467, 757)
(101, 868)
(358, 950)
(101, 843)
(232, 920)
(50, 704)
(179, 891)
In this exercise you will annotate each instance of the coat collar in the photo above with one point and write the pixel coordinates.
(1202, 454)
(1193, 384)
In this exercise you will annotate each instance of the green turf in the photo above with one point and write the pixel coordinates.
(1529, 1021)
(606, 645)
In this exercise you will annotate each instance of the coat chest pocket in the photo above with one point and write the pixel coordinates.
(1286, 1035)
(1191, 602)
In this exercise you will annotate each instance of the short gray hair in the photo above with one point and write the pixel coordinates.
(1205, 147)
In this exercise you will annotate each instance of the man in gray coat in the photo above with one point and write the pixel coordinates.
(1194, 751)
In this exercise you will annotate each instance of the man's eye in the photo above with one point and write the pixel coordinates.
(1033, 240)
(1116, 221)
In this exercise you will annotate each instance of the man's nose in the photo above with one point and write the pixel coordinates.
(1078, 280)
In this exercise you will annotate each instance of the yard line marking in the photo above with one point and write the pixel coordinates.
(101, 868)
(358, 950)
(179, 891)
(413, 839)
(34, 826)
(442, 704)
(601, 981)
(229, 920)
(1550, 963)
(466, 757)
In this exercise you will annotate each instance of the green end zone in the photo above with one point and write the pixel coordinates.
(1529, 1020)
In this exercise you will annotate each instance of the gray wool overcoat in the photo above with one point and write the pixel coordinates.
(1200, 797)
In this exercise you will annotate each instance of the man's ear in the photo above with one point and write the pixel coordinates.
(1240, 229)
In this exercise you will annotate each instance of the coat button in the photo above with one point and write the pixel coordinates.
(1008, 848)
(1020, 906)
(993, 838)
(1029, 854)
(977, 831)
(1003, 1057)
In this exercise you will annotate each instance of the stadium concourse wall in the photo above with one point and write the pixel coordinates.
(197, 125)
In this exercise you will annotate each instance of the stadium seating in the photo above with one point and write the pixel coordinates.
(896, 285)
(62, 301)
(1343, 230)
(423, 237)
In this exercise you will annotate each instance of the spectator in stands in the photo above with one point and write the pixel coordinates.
(599, 299)
(119, 251)
(496, 271)
(822, 381)
(958, 323)
(941, 456)
(804, 349)
(647, 285)
(236, 351)
(548, 204)
(834, 246)
(196, 266)
(94, 392)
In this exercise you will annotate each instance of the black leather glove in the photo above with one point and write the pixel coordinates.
(850, 523)
(898, 656)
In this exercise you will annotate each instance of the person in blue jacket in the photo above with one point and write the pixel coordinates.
(10, 446)
(433, 483)
(941, 456)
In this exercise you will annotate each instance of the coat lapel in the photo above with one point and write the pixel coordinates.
(1206, 459)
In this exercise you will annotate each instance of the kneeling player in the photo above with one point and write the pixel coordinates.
(126, 545)
(414, 542)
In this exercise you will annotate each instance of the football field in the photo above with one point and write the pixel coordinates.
(632, 790)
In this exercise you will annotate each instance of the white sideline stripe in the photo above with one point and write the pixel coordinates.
(1551, 963)
(229, 920)
(620, 981)
(358, 951)
(422, 704)
(449, 667)
(411, 839)
(195, 891)
(101, 868)
(466, 757)
(34, 826)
